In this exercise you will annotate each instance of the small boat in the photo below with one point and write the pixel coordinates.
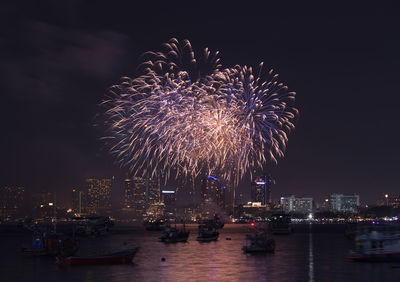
(173, 235)
(259, 242)
(52, 245)
(207, 233)
(125, 256)
(377, 244)
(281, 224)
(208, 236)
(215, 223)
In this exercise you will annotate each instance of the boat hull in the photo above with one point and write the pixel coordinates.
(389, 257)
(258, 249)
(207, 239)
(174, 240)
(115, 258)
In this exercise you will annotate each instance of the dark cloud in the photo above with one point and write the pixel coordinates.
(53, 56)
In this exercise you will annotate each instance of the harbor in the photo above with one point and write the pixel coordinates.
(311, 253)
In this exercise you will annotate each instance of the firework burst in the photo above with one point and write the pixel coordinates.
(186, 116)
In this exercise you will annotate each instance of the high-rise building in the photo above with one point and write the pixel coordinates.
(153, 191)
(78, 201)
(99, 195)
(212, 191)
(141, 193)
(11, 201)
(344, 203)
(298, 205)
(169, 200)
(128, 194)
(261, 190)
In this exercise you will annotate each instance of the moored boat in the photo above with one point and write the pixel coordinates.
(259, 241)
(207, 233)
(44, 244)
(208, 236)
(173, 235)
(377, 244)
(125, 256)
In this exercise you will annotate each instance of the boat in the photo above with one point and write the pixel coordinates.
(55, 244)
(377, 244)
(216, 222)
(259, 241)
(125, 256)
(207, 233)
(174, 235)
(281, 224)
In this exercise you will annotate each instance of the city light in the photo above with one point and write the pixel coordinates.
(51, 204)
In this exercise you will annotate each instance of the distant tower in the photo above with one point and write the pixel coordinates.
(78, 201)
(99, 195)
(213, 191)
(153, 191)
(128, 194)
(169, 200)
(139, 187)
(261, 190)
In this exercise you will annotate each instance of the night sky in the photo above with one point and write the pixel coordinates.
(57, 61)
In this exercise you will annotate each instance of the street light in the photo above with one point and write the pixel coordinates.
(387, 199)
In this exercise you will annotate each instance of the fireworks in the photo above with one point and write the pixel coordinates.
(185, 116)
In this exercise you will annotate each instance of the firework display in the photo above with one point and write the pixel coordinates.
(186, 116)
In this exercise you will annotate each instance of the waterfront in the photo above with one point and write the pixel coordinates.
(313, 253)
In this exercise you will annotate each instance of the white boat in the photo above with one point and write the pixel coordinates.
(377, 244)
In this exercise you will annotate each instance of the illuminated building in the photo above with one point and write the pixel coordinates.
(78, 201)
(169, 200)
(213, 191)
(261, 190)
(344, 203)
(155, 211)
(212, 195)
(141, 194)
(99, 195)
(254, 209)
(153, 191)
(128, 194)
(11, 200)
(297, 205)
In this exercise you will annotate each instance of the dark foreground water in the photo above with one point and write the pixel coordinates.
(312, 253)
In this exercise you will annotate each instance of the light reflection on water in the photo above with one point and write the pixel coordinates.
(312, 253)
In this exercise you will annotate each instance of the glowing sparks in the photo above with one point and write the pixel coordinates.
(185, 116)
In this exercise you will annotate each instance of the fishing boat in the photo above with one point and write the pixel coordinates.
(52, 245)
(281, 224)
(173, 235)
(125, 256)
(216, 222)
(207, 233)
(259, 241)
(377, 244)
